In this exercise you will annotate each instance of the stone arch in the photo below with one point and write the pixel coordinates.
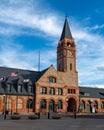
(72, 104)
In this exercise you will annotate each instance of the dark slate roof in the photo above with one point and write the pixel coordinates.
(91, 92)
(22, 75)
(66, 33)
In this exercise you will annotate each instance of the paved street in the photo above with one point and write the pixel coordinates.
(65, 123)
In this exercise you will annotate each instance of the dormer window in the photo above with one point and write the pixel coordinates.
(30, 88)
(19, 89)
(86, 94)
(52, 79)
(8, 87)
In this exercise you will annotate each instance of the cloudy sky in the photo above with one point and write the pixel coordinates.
(30, 26)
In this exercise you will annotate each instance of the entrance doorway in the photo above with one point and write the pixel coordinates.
(71, 107)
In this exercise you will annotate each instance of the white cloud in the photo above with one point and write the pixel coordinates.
(18, 15)
(27, 17)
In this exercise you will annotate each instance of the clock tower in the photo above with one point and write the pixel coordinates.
(66, 50)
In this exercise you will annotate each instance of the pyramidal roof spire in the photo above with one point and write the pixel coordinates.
(66, 33)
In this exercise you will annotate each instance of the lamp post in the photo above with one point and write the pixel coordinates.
(4, 96)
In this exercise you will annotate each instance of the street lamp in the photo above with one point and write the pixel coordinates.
(4, 96)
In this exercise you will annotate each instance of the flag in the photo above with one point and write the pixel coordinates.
(14, 74)
(2, 78)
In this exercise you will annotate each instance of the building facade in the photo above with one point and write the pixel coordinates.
(54, 90)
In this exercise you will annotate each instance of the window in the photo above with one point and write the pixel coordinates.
(73, 91)
(52, 91)
(70, 66)
(82, 105)
(59, 104)
(59, 91)
(20, 103)
(30, 88)
(25, 86)
(8, 87)
(96, 104)
(52, 79)
(102, 104)
(43, 104)
(86, 94)
(19, 89)
(43, 90)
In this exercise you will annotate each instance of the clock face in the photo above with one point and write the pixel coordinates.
(70, 53)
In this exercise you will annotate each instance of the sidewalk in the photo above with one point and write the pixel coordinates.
(65, 123)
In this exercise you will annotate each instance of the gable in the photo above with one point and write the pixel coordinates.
(50, 73)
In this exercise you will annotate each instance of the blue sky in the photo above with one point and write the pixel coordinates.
(30, 26)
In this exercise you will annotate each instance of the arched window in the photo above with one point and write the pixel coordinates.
(88, 107)
(29, 103)
(52, 79)
(96, 104)
(82, 105)
(43, 104)
(59, 104)
(102, 104)
(51, 105)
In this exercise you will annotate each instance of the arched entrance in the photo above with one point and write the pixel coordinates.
(71, 105)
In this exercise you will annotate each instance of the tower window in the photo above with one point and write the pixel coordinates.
(68, 44)
(70, 66)
(73, 91)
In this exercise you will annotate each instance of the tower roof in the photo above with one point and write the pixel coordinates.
(66, 33)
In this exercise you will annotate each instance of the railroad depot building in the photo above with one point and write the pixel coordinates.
(51, 89)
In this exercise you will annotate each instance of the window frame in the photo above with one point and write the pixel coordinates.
(52, 91)
(43, 90)
(52, 79)
(60, 91)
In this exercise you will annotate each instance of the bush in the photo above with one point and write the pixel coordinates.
(56, 116)
(15, 116)
(33, 117)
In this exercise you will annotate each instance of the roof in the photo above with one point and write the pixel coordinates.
(66, 33)
(91, 92)
(18, 76)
